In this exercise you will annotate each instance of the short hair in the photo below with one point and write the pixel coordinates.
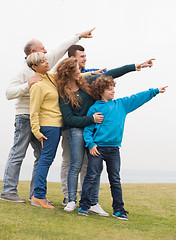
(29, 46)
(35, 58)
(73, 48)
(100, 84)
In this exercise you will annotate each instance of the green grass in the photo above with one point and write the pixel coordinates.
(152, 209)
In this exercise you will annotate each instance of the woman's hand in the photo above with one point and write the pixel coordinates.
(94, 151)
(148, 63)
(162, 89)
(98, 118)
(41, 140)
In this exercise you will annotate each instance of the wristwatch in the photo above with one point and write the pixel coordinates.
(78, 35)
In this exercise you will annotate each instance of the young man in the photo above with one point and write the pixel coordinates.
(19, 89)
(78, 52)
(104, 140)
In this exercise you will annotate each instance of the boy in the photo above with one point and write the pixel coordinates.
(104, 140)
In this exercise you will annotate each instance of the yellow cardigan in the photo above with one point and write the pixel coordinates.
(44, 105)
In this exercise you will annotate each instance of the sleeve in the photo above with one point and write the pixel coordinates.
(55, 55)
(70, 118)
(136, 100)
(88, 133)
(85, 74)
(36, 99)
(94, 69)
(115, 73)
(18, 86)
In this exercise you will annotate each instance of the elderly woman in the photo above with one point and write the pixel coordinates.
(46, 122)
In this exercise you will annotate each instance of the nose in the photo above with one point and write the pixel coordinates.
(44, 51)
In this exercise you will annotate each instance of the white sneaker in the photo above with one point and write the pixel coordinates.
(97, 209)
(70, 206)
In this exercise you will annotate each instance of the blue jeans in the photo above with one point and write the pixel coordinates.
(47, 156)
(22, 138)
(77, 151)
(111, 156)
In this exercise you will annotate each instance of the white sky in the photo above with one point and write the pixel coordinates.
(126, 32)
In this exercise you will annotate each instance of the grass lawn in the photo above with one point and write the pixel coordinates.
(152, 215)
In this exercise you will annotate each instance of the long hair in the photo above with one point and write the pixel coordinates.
(64, 73)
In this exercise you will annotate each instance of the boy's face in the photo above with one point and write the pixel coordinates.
(108, 94)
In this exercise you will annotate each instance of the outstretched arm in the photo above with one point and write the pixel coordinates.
(118, 72)
(55, 55)
(115, 73)
(136, 100)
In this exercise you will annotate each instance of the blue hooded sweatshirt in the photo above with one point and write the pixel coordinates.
(110, 132)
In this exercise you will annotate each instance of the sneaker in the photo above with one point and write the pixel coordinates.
(121, 215)
(65, 201)
(12, 197)
(82, 212)
(42, 202)
(70, 206)
(97, 209)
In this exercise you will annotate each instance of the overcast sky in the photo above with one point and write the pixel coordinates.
(126, 32)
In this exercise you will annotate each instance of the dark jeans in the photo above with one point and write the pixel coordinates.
(111, 156)
(46, 158)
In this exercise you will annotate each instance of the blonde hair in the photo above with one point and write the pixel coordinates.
(35, 59)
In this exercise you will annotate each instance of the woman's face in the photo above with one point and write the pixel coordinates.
(76, 74)
(43, 67)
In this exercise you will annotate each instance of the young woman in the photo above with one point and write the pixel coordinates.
(46, 122)
(75, 100)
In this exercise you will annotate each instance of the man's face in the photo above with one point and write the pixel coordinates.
(81, 57)
(39, 47)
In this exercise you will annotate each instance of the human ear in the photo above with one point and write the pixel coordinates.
(34, 67)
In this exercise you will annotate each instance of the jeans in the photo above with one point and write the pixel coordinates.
(77, 151)
(111, 156)
(47, 156)
(66, 165)
(22, 138)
